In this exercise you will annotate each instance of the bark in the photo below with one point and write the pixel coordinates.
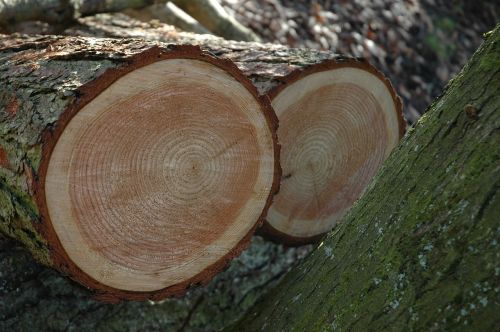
(33, 296)
(419, 251)
(267, 65)
(270, 67)
(168, 13)
(52, 11)
(91, 7)
(45, 81)
(215, 18)
(208, 12)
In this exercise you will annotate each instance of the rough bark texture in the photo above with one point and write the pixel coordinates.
(424, 240)
(36, 297)
(419, 251)
(45, 81)
(52, 11)
(270, 67)
(91, 7)
(266, 65)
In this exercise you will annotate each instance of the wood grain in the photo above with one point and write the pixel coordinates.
(337, 126)
(160, 175)
(137, 169)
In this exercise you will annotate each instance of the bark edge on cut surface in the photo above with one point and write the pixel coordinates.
(419, 250)
(41, 223)
(267, 230)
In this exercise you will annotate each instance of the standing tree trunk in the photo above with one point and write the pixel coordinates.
(419, 251)
(139, 171)
(339, 119)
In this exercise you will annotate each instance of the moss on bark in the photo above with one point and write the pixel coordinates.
(420, 250)
(40, 77)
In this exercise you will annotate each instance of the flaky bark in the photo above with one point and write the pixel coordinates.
(272, 68)
(52, 11)
(35, 296)
(265, 64)
(45, 81)
(419, 251)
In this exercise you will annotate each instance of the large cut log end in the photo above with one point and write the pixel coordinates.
(157, 175)
(339, 120)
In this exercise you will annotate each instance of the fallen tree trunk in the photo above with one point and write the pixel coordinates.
(52, 11)
(63, 12)
(419, 251)
(31, 295)
(168, 13)
(339, 119)
(137, 170)
(215, 18)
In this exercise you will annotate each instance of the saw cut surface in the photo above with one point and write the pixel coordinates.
(161, 175)
(336, 129)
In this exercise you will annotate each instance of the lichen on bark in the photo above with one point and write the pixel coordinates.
(265, 64)
(420, 250)
(35, 296)
(40, 78)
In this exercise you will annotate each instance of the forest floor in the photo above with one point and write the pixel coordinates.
(419, 44)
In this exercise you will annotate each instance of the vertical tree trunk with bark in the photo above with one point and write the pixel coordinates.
(419, 251)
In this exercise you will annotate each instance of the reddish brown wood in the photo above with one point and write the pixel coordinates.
(124, 56)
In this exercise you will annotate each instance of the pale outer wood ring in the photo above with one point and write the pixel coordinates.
(56, 183)
(294, 91)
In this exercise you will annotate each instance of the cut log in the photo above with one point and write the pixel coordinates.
(338, 123)
(136, 169)
(419, 251)
(339, 120)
